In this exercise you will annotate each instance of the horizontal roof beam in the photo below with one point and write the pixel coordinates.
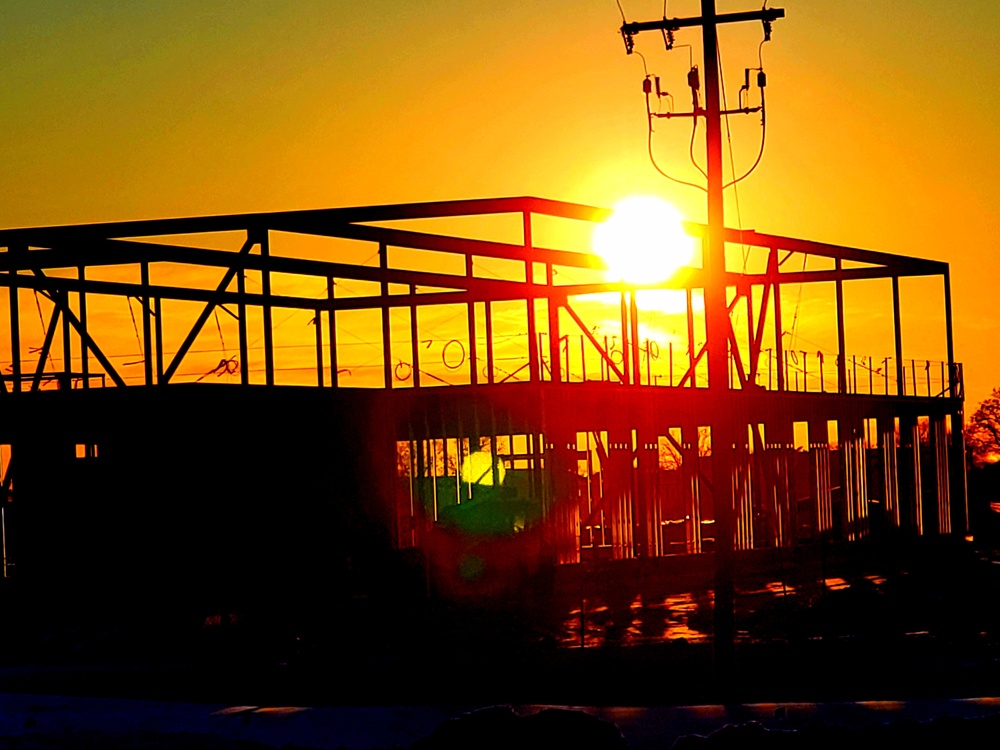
(306, 221)
(896, 263)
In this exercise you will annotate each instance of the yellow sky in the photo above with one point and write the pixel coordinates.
(882, 118)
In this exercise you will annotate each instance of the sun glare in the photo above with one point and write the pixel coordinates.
(643, 241)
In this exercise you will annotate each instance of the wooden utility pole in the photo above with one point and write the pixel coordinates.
(717, 323)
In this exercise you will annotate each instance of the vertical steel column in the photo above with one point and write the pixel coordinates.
(15, 326)
(950, 341)
(383, 264)
(956, 449)
(147, 335)
(890, 471)
(489, 341)
(690, 332)
(939, 444)
(265, 283)
(753, 352)
(331, 323)
(414, 342)
(554, 342)
(158, 328)
(84, 352)
(636, 365)
(534, 369)
(854, 470)
(67, 350)
(471, 318)
(910, 474)
(779, 345)
(959, 476)
(841, 345)
(318, 323)
(822, 482)
(241, 290)
(626, 344)
(898, 334)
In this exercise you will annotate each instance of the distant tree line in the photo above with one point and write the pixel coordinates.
(982, 443)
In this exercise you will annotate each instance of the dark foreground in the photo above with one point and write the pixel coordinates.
(35, 722)
(909, 643)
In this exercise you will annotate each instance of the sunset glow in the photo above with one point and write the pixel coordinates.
(643, 242)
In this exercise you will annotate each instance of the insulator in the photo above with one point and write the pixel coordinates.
(761, 79)
(629, 43)
(647, 86)
(694, 80)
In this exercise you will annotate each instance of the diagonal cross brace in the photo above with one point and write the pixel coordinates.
(60, 300)
(689, 374)
(43, 354)
(592, 340)
(761, 321)
(205, 313)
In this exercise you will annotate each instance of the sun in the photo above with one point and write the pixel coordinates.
(643, 241)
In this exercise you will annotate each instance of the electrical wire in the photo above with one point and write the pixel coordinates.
(732, 159)
(645, 69)
(763, 126)
(798, 302)
(694, 130)
(649, 121)
(135, 327)
(652, 159)
(763, 138)
(218, 327)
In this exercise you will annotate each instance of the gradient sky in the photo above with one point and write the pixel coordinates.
(883, 118)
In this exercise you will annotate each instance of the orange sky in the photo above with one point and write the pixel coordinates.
(882, 119)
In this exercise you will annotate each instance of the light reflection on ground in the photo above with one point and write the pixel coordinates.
(764, 611)
(804, 600)
(663, 620)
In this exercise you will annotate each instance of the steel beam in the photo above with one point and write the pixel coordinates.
(306, 222)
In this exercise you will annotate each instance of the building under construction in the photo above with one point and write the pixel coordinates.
(249, 408)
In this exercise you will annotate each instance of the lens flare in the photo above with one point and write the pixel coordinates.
(477, 468)
(643, 241)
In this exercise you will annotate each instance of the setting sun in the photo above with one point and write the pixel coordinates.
(643, 242)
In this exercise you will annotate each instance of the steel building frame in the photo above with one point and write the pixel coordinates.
(617, 450)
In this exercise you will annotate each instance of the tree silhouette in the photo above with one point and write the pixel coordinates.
(982, 434)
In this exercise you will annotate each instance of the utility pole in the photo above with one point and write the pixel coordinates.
(717, 323)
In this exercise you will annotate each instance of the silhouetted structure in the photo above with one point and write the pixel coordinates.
(487, 422)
